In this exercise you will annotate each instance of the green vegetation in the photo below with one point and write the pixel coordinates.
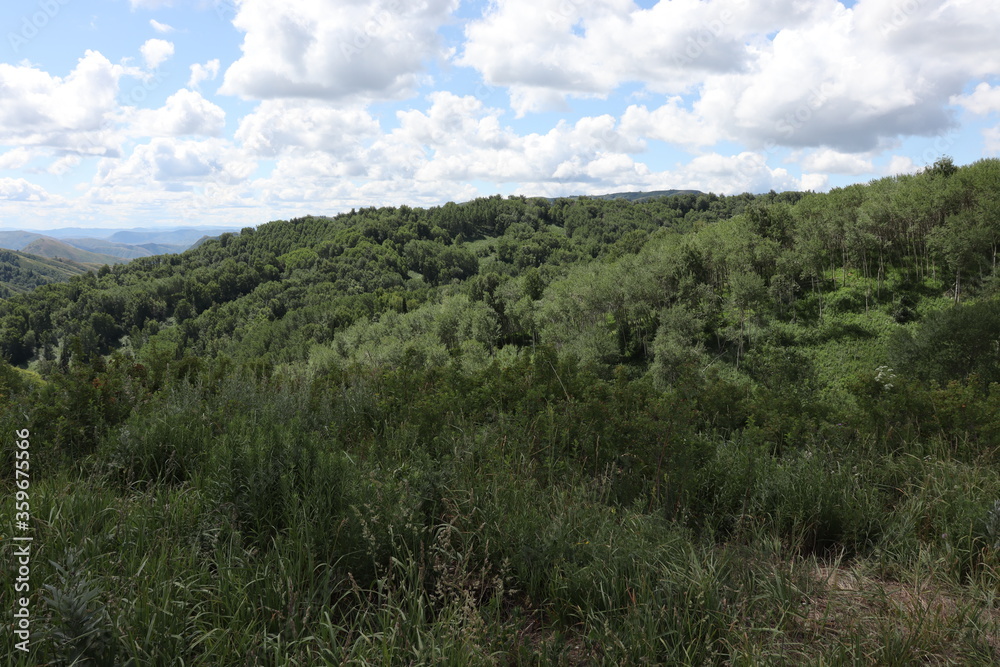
(55, 249)
(20, 272)
(685, 430)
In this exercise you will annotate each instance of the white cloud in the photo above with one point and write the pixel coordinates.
(156, 52)
(791, 73)
(827, 83)
(983, 100)
(184, 113)
(671, 123)
(18, 189)
(170, 163)
(72, 113)
(815, 182)
(465, 141)
(64, 164)
(833, 162)
(333, 49)
(745, 172)
(544, 50)
(991, 140)
(15, 159)
(901, 164)
(278, 125)
(207, 72)
(160, 27)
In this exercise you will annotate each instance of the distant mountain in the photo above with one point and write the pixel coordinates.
(167, 235)
(20, 272)
(17, 240)
(186, 236)
(126, 250)
(54, 249)
(634, 196)
(164, 248)
(201, 241)
(104, 247)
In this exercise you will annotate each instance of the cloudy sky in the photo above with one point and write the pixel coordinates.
(236, 112)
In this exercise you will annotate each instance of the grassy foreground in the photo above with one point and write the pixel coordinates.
(377, 518)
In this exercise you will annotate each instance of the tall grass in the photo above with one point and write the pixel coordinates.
(363, 518)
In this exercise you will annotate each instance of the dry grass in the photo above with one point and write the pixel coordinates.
(899, 622)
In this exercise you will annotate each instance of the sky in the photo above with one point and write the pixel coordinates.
(132, 113)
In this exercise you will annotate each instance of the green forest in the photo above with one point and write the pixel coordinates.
(690, 429)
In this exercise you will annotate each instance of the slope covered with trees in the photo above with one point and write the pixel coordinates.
(21, 272)
(686, 430)
(56, 249)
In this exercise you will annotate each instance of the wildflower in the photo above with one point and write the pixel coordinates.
(884, 376)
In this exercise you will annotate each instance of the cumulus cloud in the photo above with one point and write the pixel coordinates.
(983, 100)
(901, 164)
(545, 50)
(334, 49)
(729, 174)
(177, 161)
(64, 164)
(991, 140)
(797, 74)
(671, 123)
(206, 72)
(72, 113)
(280, 125)
(834, 162)
(466, 141)
(184, 113)
(815, 182)
(15, 159)
(160, 27)
(18, 189)
(156, 52)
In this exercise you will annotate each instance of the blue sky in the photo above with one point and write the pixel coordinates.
(124, 113)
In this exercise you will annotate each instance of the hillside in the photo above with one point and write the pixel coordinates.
(20, 272)
(638, 196)
(54, 249)
(682, 430)
(183, 236)
(110, 245)
(165, 248)
(17, 240)
(102, 247)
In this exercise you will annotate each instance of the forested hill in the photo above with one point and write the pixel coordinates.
(273, 292)
(635, 196)
(684, 430)
(597, 277)
(21, 272)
